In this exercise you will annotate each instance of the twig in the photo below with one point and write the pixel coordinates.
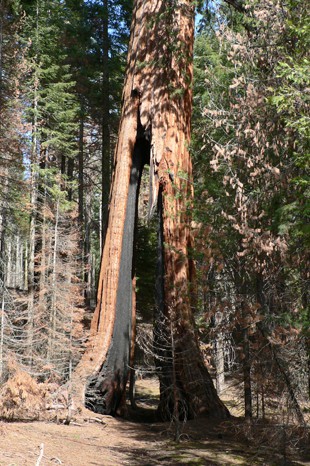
(97, 419)
(41, 454)
(57, 460)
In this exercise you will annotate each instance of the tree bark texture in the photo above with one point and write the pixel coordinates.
(154, 129)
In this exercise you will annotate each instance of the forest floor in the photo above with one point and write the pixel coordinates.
(141, 441)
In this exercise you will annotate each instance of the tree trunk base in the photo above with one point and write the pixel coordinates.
(105, 394)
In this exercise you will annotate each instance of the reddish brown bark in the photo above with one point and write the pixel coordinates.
(155, 129)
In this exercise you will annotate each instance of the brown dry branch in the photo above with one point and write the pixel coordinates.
(22, 398)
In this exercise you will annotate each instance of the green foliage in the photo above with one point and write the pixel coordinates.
(291, 99)
(52, 107)
(53, 74)
(12, 187)
(212, 76)
(86, 48)
(145, 263)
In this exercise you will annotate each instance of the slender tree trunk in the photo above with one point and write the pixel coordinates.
(18, 262)
(2, 244)
(84, 217)
(53, 309)
(155, 129)
(26, 264)
(33, 214)
(3, 226)
(30, 270)
(31, 286)
(43, 251)
(289, 385)
(219, 363)
(8, 265)
(105, 119)
(263, 401)
(87, 249)
(1, 45)
(81, 171)
(2, 322)
(70, 175)
(281, 367)
(247, 375)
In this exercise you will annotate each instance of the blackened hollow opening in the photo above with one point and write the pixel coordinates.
(105, 389)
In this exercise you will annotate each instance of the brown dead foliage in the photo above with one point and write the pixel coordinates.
(22, 398)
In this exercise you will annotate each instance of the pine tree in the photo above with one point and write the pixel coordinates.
(51, 113)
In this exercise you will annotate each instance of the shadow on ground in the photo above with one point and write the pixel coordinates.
(206, 441)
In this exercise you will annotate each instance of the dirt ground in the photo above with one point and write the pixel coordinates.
(108, 441)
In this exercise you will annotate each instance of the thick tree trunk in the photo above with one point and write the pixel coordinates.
(155, 129)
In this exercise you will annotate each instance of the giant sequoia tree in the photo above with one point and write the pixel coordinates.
(154, 130)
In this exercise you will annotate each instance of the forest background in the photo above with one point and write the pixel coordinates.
(62, 66)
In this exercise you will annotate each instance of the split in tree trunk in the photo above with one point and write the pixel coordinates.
(154, 129)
